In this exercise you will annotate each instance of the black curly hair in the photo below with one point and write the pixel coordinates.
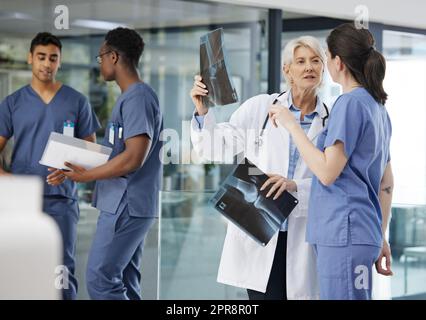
(126, 42)
(44, 39)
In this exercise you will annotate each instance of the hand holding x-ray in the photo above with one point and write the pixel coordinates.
(214, 70)
(242, 202)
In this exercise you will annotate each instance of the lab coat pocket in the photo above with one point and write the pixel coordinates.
(235, 232)
(116, 141)
(302, 194)
(300, 210)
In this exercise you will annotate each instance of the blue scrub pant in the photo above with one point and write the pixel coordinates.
(66, 214)
(113, 269)
(345, 273)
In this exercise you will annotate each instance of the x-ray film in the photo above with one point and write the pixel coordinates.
(214, 70)
(240, 200)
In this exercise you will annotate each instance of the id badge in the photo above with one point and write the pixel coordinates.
(111, 134)
(69, 128)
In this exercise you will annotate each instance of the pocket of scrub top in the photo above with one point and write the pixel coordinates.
(60, 125)
(113, 128)
(119, 145)
(331, 219)
(109, 193)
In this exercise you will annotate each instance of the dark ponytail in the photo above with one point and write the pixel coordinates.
(355, 47)
(374, 72)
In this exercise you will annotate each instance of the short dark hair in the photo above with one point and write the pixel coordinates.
(127, 42)
(44, 39)
(355, 47)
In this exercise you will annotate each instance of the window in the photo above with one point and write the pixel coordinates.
(405, 83)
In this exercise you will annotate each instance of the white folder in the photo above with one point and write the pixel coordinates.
(60, 149)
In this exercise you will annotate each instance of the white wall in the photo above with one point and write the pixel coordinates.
(407, 13)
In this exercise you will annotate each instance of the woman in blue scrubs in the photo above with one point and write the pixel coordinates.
(352, 191)
(29, 115)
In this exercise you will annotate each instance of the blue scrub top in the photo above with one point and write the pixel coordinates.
(136, 112)
(25, 116)
(351, 203)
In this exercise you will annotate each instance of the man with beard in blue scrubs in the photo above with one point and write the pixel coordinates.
(127, 190)
(29, 115)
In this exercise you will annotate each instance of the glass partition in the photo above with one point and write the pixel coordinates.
(182, 252)
(191, 238)
(408, 244)
(171, 30)
(405, 83)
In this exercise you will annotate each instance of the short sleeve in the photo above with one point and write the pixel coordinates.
(6, 125)
(139, 114)
(389, 126)
(346, 124)
(87, 123)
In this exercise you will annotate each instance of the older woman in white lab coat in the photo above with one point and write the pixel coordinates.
(285, 267)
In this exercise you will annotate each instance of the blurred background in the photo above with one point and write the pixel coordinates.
(182, 251)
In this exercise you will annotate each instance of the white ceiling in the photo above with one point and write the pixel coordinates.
(18, 17)
(407, 13)
(133, 13)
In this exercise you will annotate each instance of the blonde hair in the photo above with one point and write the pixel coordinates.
(307, 42)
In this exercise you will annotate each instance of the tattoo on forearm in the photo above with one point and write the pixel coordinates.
(387, 190)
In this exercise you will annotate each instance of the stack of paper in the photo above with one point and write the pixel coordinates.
(60, 149)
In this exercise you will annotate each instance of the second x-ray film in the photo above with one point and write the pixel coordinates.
(242, 202)
(214, 70)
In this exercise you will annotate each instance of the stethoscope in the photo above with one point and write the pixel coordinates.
(259, 139)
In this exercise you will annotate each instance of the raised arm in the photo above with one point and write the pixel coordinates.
(214, 141)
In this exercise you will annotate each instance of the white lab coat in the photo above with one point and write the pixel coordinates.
(244, 263)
